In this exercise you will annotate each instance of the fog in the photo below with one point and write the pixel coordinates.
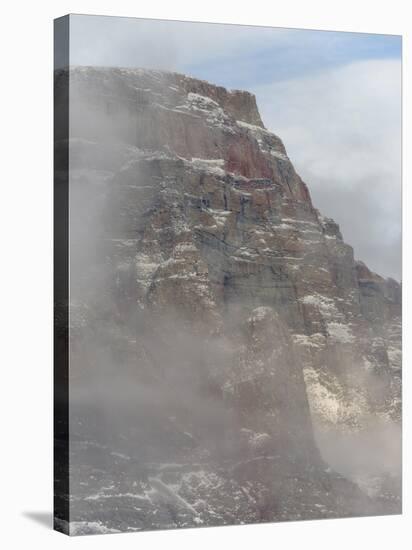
(140, 379)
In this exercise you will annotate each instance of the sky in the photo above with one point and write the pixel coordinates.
(334, 98)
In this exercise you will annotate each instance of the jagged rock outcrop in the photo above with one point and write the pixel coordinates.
(204, 275)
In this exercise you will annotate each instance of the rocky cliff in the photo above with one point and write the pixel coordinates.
(230, 361)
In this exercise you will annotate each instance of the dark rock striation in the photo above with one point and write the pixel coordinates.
(230, 361)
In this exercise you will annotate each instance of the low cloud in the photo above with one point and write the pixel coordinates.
(342, 131)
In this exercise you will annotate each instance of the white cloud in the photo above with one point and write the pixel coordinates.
(342, 130)
(168, 45)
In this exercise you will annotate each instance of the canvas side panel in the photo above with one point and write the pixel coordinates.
(61, 274)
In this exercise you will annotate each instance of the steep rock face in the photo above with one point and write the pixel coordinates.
(217, 283)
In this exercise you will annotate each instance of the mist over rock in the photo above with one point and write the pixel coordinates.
(230, 361)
